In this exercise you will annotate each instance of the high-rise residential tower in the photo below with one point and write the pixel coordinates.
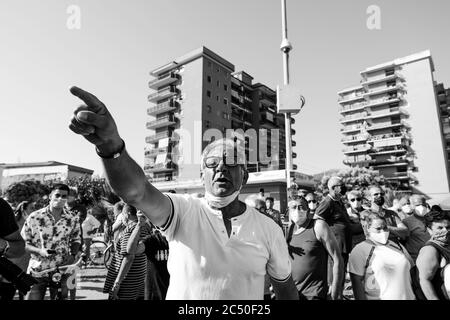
(392, 122)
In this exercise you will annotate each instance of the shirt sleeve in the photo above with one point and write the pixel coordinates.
(324, 209)
(27, 231)
(279, 264)
(357, 260)
(180, 206)
(8, 222)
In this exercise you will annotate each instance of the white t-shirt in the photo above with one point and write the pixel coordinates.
(89, 224)
(388, 275)
(205, 264)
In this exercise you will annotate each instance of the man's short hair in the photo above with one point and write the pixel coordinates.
(128, 208)
(417, 198)
(270, 199)
(435, 216)
(226, 144)
(355, 193)
(334, 181)
(60, 186)
(300, 200)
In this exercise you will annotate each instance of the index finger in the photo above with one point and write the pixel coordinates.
(92, 101)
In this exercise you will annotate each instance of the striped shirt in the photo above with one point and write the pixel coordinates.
(132, 286)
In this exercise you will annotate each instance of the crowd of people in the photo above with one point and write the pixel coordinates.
(217, 247)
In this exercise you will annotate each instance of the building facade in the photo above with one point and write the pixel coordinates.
(392, 123)
(41, 171)
(198, 96)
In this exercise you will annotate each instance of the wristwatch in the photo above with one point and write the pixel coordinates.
(113, 155)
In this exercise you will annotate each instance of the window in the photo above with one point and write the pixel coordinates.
(217, 98)
(225, 87)
(208, 93)
(208, 108)
(218, 83)
(207, 124)
(225, 115)
(225, 101)
(217, 70)
(208, 78)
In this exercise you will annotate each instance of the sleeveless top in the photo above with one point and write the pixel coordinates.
(309, 263)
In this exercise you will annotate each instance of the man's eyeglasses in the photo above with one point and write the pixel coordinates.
(58, 195)
(378, 194)
(355, 199)
(213, 162)
(312, 201)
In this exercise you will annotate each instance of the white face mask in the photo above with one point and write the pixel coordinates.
(421, 210)
(220, 202)
(312, 206)
(406, 209)
(380, 237)
(59, 203)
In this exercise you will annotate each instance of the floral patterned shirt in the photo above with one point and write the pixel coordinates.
(42, 231)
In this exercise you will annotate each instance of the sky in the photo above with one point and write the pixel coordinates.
(120, 42)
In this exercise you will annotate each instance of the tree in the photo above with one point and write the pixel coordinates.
(28, 190)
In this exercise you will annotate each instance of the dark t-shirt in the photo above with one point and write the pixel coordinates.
(8, 222)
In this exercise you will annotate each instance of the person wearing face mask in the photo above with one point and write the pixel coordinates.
(397, 229)
(379, 267)
(312, 202)
(418, 233)
(433, 261)
(52, 236)
(332, 210)
(355, 198)
(310, 243)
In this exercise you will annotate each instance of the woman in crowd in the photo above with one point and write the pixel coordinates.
(433, 262)
(380, 268)
(125, 279)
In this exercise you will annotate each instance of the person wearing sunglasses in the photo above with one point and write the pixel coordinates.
(274, 214)
(52, 236)
(397, 229)
(219, 247)
(312, 202)
(355, 198)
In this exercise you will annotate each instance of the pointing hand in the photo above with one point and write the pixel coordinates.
(94, 122)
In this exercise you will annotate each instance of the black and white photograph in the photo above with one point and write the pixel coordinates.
(205, 151)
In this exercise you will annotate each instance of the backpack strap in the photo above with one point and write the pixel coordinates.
(372, 249)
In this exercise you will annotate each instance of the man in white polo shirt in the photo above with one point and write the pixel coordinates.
(219, 248)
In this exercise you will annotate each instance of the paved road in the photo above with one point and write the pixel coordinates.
(91, 285)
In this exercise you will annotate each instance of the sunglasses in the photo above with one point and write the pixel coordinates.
(357, 199)
(312, 201)
(213, 162)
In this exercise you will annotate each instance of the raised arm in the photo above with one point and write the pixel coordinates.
(125, 176)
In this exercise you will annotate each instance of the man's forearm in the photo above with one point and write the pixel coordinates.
(402, 233)
(338, 275)
(124, 267)
(32, 249)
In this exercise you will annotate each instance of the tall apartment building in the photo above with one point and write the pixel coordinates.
(201, 91)
(392, 123)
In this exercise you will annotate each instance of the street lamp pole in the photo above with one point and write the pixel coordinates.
(285, 48)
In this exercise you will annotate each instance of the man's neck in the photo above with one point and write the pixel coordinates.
(233, 209)
(56, 212)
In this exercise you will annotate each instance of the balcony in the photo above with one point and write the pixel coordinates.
(160, 167)
(294, 155)
(161, 122)
(388, 164)
(357, 149)
(161, 108)
(361, 160)
(355, 138)
(293, 132)
(402, 176)
(353, 107)
(351, 98)
(397, 87)
(154, 152)
(292, 120)
(163, 81)
(266, 99)
(294, 143)
(382, 101)
(387, 113)
(353, 128)
(388, 125)
(355, 117)
(382, 151)
(163, 94)
(382, 78)
(386, 140)
(156, 137)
